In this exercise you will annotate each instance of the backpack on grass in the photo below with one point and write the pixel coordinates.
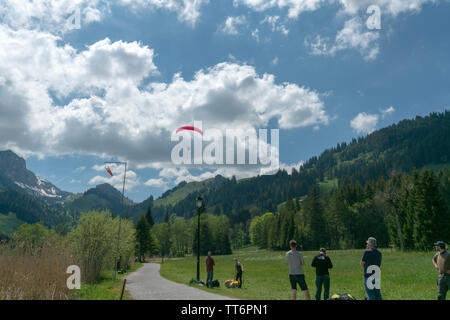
(231, 283)
(215, 283)
(344, 296)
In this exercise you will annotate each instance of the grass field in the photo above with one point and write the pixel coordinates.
(107, 288)
(404, 276)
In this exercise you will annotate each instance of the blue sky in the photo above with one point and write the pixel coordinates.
(333, 79)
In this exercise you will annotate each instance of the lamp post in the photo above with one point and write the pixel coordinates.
(199, 205)
(121, 210)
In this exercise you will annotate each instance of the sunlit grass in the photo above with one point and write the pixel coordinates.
(409, 275)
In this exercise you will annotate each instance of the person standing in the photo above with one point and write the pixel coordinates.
(209, 270)
(441, 262)
(238, 270)
(322, 263)
(295, 261)
(371, 259)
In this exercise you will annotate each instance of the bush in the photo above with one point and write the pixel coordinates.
(94, 243)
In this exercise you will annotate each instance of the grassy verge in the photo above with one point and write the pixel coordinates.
(107, 288)
(404, 276)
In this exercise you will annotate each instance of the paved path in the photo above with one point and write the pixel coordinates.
(147, 284)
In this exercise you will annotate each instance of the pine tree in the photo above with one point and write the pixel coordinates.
(431, 216)
(149, 217)
(314, 210)
(166, 217)
(143, 238)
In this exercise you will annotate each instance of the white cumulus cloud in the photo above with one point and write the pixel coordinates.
(354, 35)
(364, 123)
(232, 24)
(388, 111)
(113, 114)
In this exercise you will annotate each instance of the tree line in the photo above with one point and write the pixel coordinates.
(177, 236)
(407, 210)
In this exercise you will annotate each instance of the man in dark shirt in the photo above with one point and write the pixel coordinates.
(209, 270)
(371, 262)
(322, 263)
(238, 270)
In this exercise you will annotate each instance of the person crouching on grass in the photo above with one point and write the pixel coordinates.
(238, 270)
(295, 261)
(322, 263)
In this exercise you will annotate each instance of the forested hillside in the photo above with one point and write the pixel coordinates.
(399, 148)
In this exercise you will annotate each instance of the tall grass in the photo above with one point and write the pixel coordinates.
(34, 273)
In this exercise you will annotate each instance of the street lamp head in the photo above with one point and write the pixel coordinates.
(199, 202)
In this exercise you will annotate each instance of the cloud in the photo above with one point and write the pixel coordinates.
(55, 16)
(37, 57)
(364, 123)
(255, 34)
(187, 10)
(173, 176)
(156, 183)
(388, 111)
(354, 35)
(231, 25)
(80, 169)
(351, 7)
(295, 7)
(391, 7)
(273, 21)
(116, 180)
(289, 167)
(50, 15)
(111, 113)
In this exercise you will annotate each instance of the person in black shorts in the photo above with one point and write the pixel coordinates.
(295, 261)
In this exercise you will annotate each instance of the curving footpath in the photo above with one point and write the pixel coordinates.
(147, 284)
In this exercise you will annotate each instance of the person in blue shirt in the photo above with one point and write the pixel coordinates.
(371, 258)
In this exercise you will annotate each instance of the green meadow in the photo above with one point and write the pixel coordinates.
(404, 276)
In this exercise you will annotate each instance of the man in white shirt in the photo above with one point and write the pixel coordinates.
(295, 261)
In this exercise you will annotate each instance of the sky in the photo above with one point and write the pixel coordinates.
(85, 82)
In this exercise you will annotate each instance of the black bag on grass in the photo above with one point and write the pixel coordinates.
(215, 283)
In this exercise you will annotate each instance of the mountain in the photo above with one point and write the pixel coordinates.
(103, 196)
(15, 175)
(402, 147)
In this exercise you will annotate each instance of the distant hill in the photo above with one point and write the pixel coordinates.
(103, 196)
